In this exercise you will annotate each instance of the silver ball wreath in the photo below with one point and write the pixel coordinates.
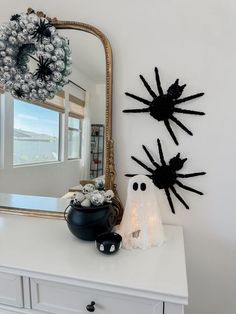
(27, 37)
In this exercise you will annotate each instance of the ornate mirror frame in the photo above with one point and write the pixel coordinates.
(110, 172)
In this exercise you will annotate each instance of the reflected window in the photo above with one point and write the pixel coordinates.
(36, 134)
(74, 137)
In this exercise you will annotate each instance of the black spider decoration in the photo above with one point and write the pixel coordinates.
(165, 176)
(19, 93)
(43, 69)
(163, 107)
(15, 17)
(42, 30)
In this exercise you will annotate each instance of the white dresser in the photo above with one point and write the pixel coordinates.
(44, 269)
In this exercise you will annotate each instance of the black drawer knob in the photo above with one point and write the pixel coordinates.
(90, 307)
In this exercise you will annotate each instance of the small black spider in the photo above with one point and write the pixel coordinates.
(43, 69)
(42, 30)
(162, 107)
(19, 93)
(164, 176)
(15, 17)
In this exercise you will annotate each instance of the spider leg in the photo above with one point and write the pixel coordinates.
(179, 101)
(142, 164)
(179, 197)
(167, 124)
(189, 175)
(145, 101)
(180, 124)
(188, 188)
(179, 110)
(150, 157)
(47, 62)
(35, 36)
(148, 87)
(137, 110)
(169, 200)
(161, 153)
(158, 82)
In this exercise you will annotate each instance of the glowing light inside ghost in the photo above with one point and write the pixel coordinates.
(141, 225)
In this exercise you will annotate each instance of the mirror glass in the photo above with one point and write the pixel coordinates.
(48, 150)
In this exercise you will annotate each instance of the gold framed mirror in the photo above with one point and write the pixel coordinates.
(109, 168)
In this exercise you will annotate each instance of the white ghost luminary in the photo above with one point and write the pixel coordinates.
(141, 225)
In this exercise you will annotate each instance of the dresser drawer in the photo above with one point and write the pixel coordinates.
(59, 298)
(11, 291)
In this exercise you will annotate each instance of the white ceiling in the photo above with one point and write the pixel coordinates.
(87, 53)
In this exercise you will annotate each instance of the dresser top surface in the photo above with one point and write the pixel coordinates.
(46, 246)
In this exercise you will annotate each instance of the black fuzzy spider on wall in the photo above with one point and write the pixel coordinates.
(165, 175)
(163, 107)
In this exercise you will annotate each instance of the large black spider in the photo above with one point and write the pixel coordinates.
(165, 176)
(43, 69)
(163, 107)
(42, 30)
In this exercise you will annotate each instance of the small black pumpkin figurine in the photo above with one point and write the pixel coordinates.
(165, 176)
(163, 107)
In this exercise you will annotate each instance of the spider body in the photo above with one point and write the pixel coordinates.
(162, 107)
(42, 30)
(43, 69)
(15, 17)
(165, 175)
(19, 93)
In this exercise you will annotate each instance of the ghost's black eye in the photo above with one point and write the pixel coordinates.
(143, 186)
(135, 186)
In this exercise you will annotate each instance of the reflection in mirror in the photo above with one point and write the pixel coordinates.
(48, 149)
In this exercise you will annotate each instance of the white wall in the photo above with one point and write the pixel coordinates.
(195, 41)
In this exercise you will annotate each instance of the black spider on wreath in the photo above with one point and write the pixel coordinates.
(15, 17)
(19, 93)
(42, 31)
(163, 107)
(165, 176)
(43, 69)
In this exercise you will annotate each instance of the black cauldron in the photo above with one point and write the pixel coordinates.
(87, 223)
